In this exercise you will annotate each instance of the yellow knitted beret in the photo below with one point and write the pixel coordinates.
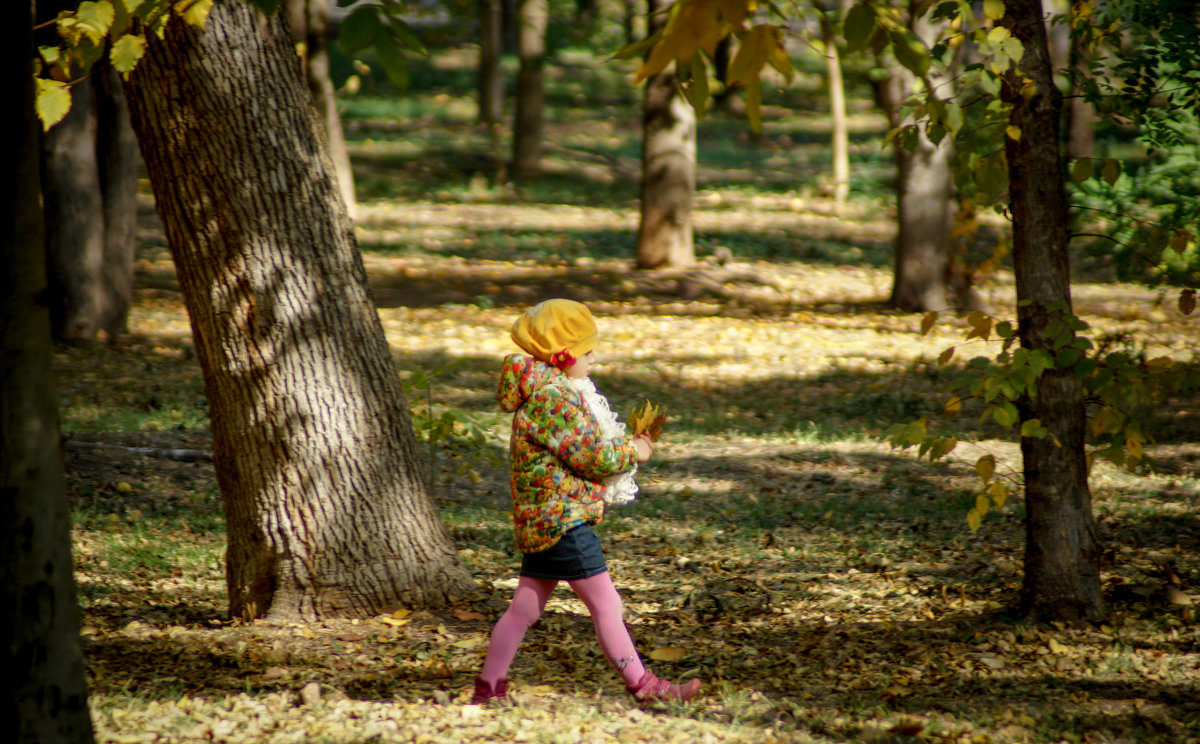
(553, 327)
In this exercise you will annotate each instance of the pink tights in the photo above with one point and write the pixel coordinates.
(604, 605)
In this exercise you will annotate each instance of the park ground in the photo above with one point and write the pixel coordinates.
(825, 586)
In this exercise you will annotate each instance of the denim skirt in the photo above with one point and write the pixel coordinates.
(577, 555)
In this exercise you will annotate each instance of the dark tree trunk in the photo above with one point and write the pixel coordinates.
(89, 186)
(309, 20)
(533, 16)
(1062, 574)
(665, 235)
(325, 508)
(491, 78)
(46, 693)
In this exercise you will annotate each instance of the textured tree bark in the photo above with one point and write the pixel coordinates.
(45, 691)
(532, 15)
(665, 234)
(927, 273)
(312, 440)
(89, 186)
(1062, 572)
(309, 20)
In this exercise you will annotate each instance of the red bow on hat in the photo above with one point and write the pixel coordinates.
(563, 359)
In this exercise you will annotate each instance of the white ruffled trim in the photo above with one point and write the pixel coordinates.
(621, 488)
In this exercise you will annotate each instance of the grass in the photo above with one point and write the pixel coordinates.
(824, 586)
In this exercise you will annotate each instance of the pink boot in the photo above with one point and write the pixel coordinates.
(652, 688)
(485, 693)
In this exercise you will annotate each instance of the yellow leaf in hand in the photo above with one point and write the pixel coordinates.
(649, 421)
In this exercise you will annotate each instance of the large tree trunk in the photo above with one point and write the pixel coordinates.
(1062, 575)
(313, 445)
(89, 188)
(665, 235)
(927, 275)
(532, 15)
(309, 21)
(45, 696)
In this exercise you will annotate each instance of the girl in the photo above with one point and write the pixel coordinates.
(568, 454)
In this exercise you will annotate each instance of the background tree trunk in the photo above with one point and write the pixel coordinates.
(491, 79)
(313, 446)
(665, 235)
(309, 20)
(532, 15)
(840, 188)
(89, 189)
(1062, 572)
(1079, 114)
(46, 693)
(927, 275)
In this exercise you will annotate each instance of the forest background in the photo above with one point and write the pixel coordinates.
(828, 585)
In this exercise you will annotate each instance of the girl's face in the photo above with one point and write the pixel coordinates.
(582, 366)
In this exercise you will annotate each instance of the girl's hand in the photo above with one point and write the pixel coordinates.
(645, 447)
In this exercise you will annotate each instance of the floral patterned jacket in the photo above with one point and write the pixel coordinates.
(559, 458)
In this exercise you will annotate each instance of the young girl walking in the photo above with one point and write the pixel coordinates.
(569, 456)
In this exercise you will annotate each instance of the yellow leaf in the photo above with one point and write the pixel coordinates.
(999, 493)
(982, 504)
(669, 653)
(986, 467)
(993, 10)
(1013, 132)
(649, 421)
(928, 321)
(954, 405)
(401, 614)
(195, 12)
(974, 520)
(945, 356)
(1056, 647)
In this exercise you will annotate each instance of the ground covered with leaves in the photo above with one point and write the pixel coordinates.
(825, 587)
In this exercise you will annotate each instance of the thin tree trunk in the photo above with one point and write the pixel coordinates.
(46, 696)
(1062, 575)
(313, 446)
(491, 79)
(532, 16)
(840, 135)
(665, 234)
(309, 21)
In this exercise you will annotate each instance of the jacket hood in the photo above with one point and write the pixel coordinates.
(520, 377)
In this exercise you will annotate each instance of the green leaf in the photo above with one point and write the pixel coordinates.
(359, 30)
(974, 520)
(638, 49)
(1082, 170)
(910, 51)
(406, 36)
(695, 86)
(268, 7)
(1111, 170)
(126, 53)
(53, 101)
(859, 24)
(395, 63)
